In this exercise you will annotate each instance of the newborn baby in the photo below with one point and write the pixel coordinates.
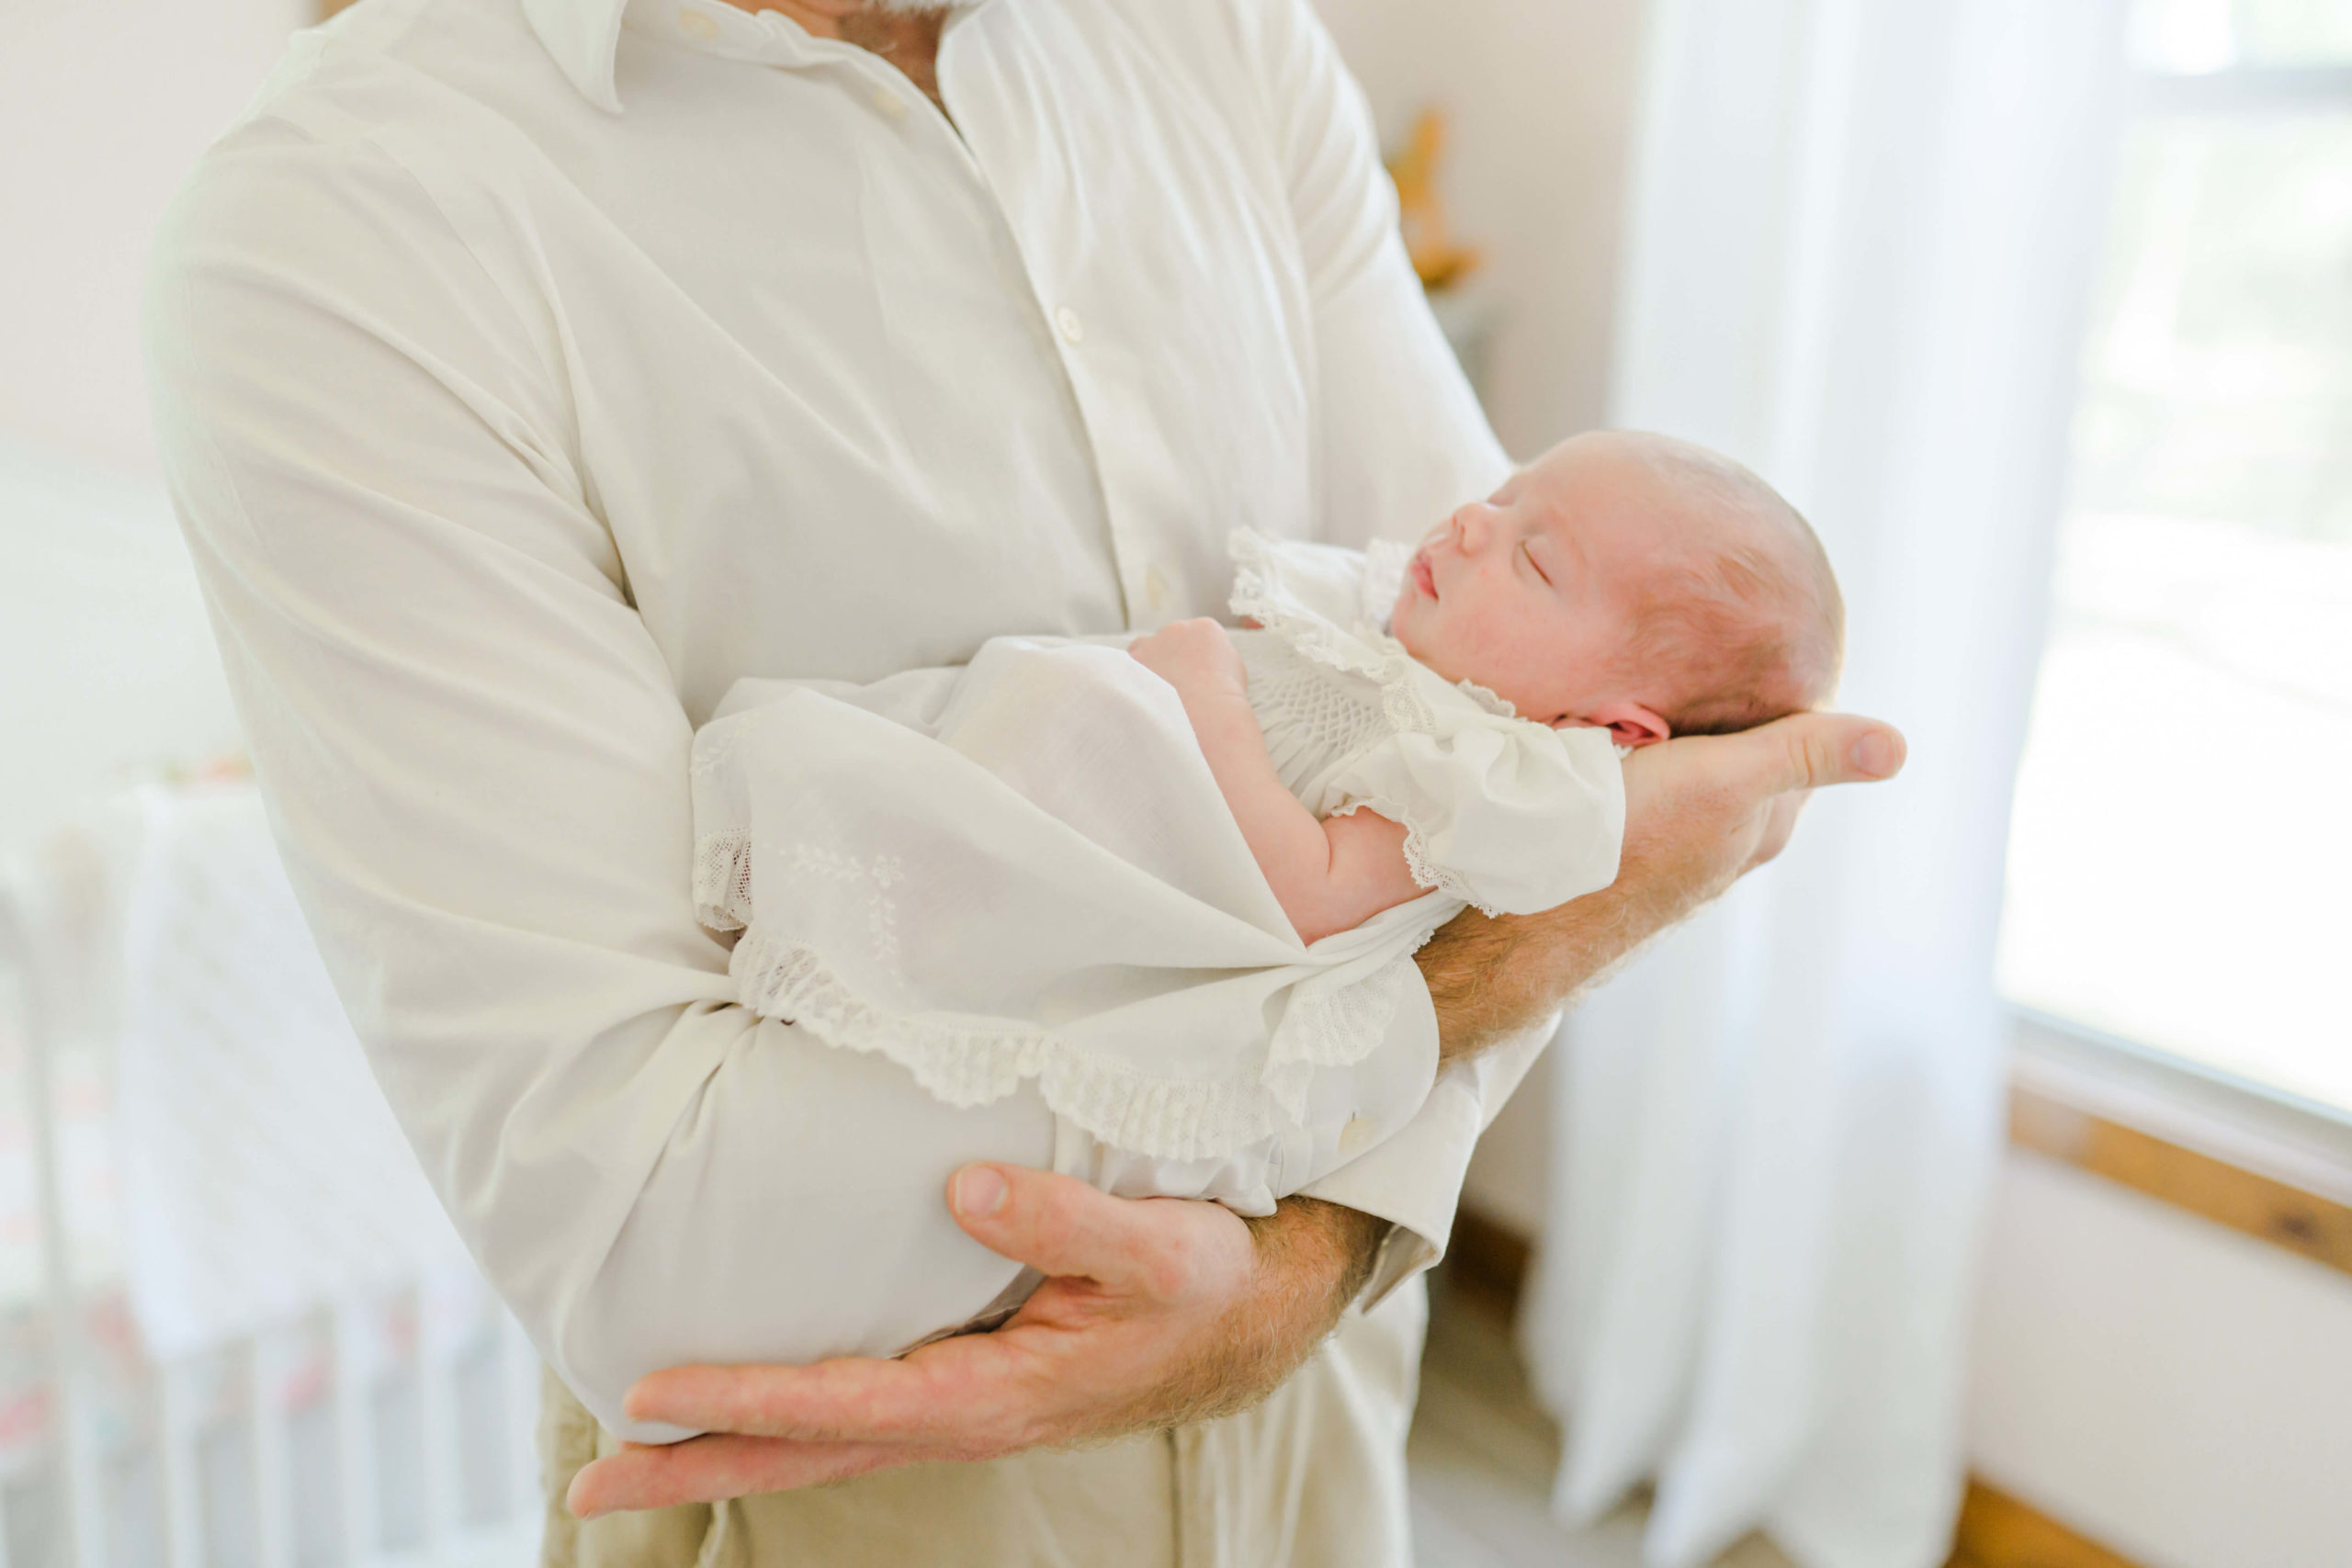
(1624, 582)
(1171, 887)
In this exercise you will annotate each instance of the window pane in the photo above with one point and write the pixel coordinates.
(2197, 36)
(2180, 871)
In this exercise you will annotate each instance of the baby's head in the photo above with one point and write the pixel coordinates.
(1631, 582)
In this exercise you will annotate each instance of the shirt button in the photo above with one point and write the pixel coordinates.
(1155, 588)
(1071, 327)
(696, 25)
(1357, 1135)
(892, 106)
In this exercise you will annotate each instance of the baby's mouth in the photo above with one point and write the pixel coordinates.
(1419, 572)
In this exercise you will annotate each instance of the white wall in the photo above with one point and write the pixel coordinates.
(107, 670)
(2175, 1390)
(1540, 102)
(103, 105)
(2171, 1388)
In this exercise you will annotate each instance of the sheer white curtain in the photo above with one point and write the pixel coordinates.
(1859, 235)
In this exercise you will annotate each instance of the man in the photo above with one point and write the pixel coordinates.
(529, 370)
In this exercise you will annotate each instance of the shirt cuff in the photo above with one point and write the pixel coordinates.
(1414, 1178)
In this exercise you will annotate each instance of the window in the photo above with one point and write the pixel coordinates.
(2181, 867)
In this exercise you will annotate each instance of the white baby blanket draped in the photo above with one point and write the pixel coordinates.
(1043, 883)
(1024, 870)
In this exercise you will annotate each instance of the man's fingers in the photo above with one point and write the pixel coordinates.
(950, 1387)
(1780, 823)
(705, 1470)
(1062, 1228)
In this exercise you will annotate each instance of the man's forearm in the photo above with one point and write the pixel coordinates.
(1312, 1259)
(1491, 980)
(1700, 812)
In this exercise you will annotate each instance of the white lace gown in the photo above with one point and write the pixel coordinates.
(1022, 871)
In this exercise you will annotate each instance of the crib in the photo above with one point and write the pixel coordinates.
(385, 1425)
(375, 1421)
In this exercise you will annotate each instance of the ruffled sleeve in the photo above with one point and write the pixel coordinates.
(1502, 813)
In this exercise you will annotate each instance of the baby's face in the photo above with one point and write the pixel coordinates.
(1532, 593)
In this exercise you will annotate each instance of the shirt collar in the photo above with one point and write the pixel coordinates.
(583, 35)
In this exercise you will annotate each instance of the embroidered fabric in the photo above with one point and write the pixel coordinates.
(967, 1061)
(1344, 690)
(1027, 874)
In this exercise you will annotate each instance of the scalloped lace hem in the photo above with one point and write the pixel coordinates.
(967, 1061)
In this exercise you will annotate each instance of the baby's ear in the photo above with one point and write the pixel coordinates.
(1629, 724)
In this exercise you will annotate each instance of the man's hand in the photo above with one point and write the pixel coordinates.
(1165, 1312)
(1700, 812)
(1154, 1313)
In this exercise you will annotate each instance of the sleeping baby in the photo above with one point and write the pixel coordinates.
(1173, 884)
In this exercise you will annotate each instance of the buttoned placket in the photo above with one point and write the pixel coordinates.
(1142, 583)
(775, 39)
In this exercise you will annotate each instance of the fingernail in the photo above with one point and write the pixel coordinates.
(979, 1190)
(1874, 755)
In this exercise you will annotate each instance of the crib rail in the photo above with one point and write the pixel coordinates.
(393, 1430)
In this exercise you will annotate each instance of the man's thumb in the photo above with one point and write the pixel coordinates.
(1824, 749)
(1056, 1225)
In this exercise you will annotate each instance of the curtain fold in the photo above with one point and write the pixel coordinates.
(1859, 238)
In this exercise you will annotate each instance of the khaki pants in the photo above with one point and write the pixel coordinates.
(1313, 1477)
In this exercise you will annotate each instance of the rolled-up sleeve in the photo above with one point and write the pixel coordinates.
(1402, 441)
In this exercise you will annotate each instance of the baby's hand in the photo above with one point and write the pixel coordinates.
(1196, 657)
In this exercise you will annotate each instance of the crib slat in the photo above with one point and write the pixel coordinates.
(436, 1375)
(178, 1429)
(273, 1452)
(355, 1431)
(519, 1378)
(85, 1521)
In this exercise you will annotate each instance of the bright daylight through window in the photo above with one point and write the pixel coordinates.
(2181, 869)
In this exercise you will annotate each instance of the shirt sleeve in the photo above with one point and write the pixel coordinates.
(1401, 442)
(477, 765)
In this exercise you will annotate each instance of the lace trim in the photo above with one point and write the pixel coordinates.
(967, 1061)
(1382, 660)
(1501, 707)
(1371, 653)
(1384, 562)
(1256, 597)
(1425, 872)
(723, 880)
(1337, 1028)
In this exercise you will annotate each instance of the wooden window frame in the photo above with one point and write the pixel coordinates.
(2262, 1163)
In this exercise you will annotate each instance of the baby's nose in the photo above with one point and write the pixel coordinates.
(1472, 523)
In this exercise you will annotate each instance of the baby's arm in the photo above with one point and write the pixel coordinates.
(1330, 875)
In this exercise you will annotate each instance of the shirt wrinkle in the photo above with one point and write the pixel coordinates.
(825, 393)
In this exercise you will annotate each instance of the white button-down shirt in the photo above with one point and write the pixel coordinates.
(525, 377)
